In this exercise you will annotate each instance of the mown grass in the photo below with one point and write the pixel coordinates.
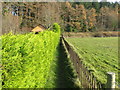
(100, 55)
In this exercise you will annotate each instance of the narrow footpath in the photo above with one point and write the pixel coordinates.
(61, 74)
(65, 75)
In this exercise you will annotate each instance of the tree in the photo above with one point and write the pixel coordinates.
(9, 21)
(91, 19)
(106, 20)
(96, 5)
(81, 17)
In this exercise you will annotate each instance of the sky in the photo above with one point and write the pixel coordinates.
(112, 0)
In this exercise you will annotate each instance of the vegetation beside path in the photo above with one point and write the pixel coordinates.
(62, 74)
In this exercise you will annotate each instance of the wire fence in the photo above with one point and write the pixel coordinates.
(86, 78)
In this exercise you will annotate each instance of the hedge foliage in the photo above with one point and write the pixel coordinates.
(26, 59)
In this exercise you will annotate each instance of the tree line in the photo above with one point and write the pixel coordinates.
(72, 16)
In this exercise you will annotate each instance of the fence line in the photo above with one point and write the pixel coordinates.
(86, 78)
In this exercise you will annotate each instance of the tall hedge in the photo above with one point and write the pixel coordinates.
(26, 59)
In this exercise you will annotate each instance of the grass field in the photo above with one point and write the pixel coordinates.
(100, 55)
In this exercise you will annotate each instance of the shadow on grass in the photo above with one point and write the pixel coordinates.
(65, 77)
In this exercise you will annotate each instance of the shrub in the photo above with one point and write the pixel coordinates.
(26, 59)
(56, 28)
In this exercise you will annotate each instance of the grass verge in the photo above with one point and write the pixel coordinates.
(62, 74)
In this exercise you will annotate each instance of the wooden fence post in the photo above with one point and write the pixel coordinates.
(110, 80)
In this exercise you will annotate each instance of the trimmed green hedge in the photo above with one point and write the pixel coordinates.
(26, 59)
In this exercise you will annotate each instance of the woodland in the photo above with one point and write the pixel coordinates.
(22, 17)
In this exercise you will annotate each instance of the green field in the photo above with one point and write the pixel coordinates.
(100, 55)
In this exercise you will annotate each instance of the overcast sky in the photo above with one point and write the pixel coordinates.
(112, 0)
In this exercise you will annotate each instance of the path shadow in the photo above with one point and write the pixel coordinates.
(65, 75)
